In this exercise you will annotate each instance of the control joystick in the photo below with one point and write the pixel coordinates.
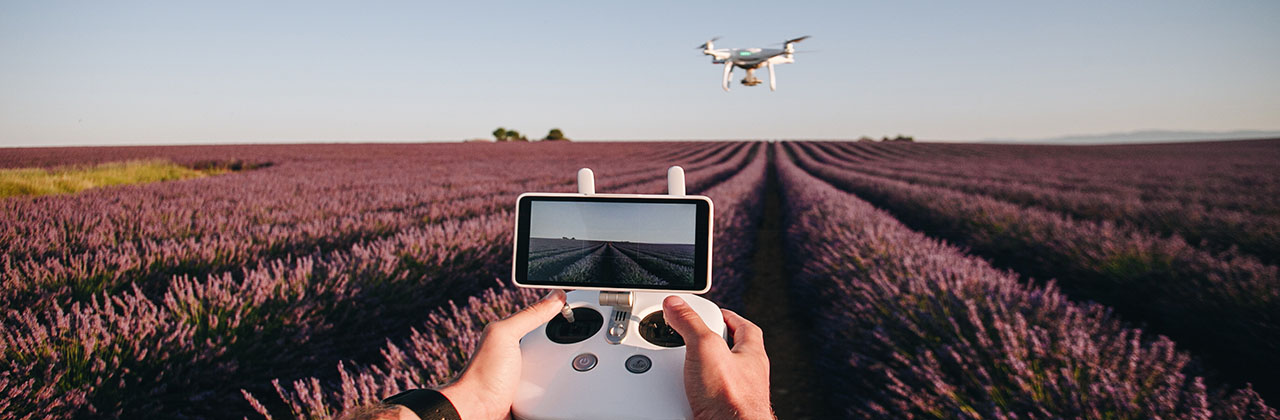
(586, 322)
(654, 329)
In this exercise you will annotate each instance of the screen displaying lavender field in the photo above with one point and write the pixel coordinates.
(612, 244)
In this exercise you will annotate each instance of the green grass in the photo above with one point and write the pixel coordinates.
(38, 181)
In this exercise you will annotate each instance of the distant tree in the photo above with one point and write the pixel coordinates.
(901, 138)
(555, 135)
(865, 139)
(504, 134)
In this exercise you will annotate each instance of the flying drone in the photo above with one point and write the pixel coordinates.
(751, 59)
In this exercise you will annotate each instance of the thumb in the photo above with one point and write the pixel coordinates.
(682, 318)
(520, 323)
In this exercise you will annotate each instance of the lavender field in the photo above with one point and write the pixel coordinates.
(582, 261)
(936, 280)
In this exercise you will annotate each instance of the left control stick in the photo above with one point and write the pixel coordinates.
(567, 313)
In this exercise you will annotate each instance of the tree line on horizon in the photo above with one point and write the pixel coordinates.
(898, 138)
(502, 134)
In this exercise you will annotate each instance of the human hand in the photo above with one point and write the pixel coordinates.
(487, 387)
(721, 383)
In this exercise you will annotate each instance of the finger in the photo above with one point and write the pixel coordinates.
(682, 318)
(520, 323)
(747, 337)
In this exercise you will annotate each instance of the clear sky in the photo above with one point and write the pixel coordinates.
(129, 72)
(648, 223)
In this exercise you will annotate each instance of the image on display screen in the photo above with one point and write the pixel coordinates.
(612, 243)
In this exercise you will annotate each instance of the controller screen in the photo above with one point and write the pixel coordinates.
(613, 244)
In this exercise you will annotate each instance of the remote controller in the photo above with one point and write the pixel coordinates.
(575, 370)
(610, 354)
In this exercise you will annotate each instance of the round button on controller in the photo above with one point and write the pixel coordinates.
(584, 362)
(639, 363)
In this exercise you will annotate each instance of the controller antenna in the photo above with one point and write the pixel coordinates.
(675, 181)
(586, 181)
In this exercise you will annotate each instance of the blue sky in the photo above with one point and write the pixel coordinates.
(648, 223)
(127, 72)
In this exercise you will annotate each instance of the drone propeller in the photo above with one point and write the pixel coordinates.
(705, 44)
(789, 41)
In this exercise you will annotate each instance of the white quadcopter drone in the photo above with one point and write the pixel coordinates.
(751, 59)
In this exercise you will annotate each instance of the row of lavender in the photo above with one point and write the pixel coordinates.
(1225, 310)
(186, 349)
(1082, 195)
(910, 327)
(1221, 176)
(69, 248)
(1238, 175)
(440, 347)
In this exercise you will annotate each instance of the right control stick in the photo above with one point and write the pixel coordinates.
(654, 329)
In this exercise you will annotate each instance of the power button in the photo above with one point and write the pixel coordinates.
(584, 362)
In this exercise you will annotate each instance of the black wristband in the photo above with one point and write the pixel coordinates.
(428, 404)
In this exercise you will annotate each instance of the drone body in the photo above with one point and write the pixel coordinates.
(750, 59)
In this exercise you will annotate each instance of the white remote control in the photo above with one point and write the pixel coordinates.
(573, 371)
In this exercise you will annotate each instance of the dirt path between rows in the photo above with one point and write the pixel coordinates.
(786, 336)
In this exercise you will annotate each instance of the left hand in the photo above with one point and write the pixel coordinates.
(487, 387)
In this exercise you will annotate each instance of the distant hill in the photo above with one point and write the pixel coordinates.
(1146, 136)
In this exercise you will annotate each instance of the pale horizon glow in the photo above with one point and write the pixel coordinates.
(652, 223)
(110, 73)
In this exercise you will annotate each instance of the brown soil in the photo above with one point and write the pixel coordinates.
(768, 303)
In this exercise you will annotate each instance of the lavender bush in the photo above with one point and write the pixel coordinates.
(1223, 309)
(1231, 176)
(909, 327)
(432, 354)
(1220, 228)
(738, 208)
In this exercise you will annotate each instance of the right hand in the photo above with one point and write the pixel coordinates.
(721, 383)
